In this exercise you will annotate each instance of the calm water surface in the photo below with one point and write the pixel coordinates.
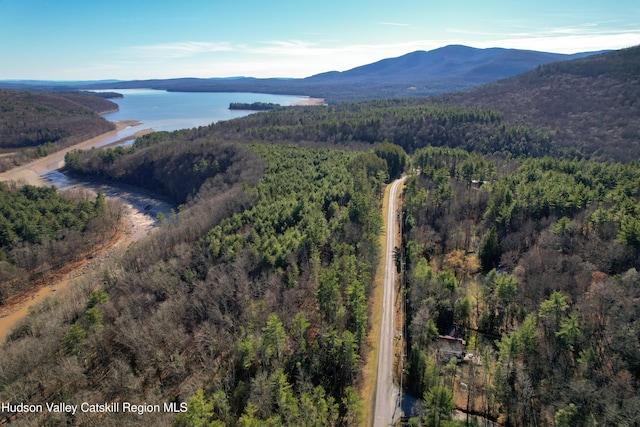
(168, 111)
(161, 110)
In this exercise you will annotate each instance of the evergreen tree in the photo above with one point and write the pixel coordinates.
(395, 157)
(489, 253)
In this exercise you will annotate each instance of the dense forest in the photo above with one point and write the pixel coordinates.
(535, 264)
(263, 228)
(33, 124)
(409, 123)
(251, 303)
(253, 106)
(590, 104)
(41, 231)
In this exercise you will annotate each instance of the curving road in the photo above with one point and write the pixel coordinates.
(387, 409)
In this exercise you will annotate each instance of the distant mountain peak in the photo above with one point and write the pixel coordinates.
(457, 63)
(419, 73)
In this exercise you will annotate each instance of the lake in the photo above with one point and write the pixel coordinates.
(168, 111)
(162, 110)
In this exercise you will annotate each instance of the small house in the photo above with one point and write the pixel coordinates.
(449, 347)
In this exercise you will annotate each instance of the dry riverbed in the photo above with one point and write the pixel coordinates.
(142, 213)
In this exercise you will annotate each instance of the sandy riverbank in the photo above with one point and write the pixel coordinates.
(142, 209)
(137, 224)
(31, 173)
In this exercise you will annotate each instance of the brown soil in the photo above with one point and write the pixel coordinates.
(31, 173)
(55, 276)
(136, 225)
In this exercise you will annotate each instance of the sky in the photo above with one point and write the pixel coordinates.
(140, 39)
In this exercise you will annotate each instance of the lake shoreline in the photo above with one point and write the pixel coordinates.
(309, 101)
(32, 173)
(164, 110)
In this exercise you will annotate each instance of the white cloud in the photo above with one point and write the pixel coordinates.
(567, 42)
(589, 36)
(302, 58)
(179, 49)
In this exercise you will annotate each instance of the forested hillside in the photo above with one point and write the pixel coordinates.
(250, 304)
(538, 270)
(584, 108)
(39, 122)
(409, 123)
(590, 105)
(41, 231)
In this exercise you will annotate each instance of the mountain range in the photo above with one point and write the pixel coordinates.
(450, 63)
(447, 69)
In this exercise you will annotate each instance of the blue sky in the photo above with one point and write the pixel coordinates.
(99, 39)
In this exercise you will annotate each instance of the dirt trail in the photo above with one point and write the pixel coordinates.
(142, 211)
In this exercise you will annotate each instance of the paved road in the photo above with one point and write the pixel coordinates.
(386, 409)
